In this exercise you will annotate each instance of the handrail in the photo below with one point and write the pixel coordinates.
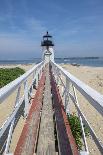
(21, 103)
(9, 88)
(95, 98)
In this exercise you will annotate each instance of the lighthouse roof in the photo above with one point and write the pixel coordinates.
(47, 40)
(47, 35)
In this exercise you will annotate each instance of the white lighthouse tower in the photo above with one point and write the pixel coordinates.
(47, 47)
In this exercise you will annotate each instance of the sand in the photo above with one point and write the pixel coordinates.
(26, 67)
(93, 76)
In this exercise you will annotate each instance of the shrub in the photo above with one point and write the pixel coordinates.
(9, 74)
(77, 129)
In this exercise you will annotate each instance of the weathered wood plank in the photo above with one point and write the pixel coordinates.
(27, 141)
(67, 145)
(46, 141)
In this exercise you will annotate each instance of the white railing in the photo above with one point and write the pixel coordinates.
(21, 104)
(93, 97)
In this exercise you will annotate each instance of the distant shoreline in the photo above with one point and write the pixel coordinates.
(82, 61)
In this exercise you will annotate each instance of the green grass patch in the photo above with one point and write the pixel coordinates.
(9, 74)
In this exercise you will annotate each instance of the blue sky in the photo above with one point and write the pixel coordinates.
(76, 25)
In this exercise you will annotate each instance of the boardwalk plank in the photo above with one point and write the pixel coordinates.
(27, 141)
(46, 141)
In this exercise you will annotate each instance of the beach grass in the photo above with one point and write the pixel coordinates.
(9, 74)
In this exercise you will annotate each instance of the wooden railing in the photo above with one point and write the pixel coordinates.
(93, 97)
(21, 104)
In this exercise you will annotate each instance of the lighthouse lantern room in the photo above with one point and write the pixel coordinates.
(47, 47)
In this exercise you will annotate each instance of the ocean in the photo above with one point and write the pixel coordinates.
(86, 61)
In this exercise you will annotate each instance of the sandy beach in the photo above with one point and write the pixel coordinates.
(26, 67)
(93, 76)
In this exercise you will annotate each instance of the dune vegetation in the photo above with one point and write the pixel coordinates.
(9, 74)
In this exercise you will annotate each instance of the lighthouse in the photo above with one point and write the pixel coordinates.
(47, 48)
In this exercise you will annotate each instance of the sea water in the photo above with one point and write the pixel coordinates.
(87, 61)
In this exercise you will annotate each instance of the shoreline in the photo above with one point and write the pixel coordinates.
(27, 64)
(80, 65)
(26, 67)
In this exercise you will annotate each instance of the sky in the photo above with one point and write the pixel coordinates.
(76, 27)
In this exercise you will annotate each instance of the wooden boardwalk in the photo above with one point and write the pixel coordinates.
(46, 141)
(38, 135)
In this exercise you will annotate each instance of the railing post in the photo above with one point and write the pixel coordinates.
(67, 87)
(55, 73)
(9, 137)
(34, 84)
(61, 84)
(40, 71)
(18, 95)
(12, 125)
(26, 98)
(33, 79)
(81, 122)
(58, 78)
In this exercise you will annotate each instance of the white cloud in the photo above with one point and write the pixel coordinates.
(23, 40)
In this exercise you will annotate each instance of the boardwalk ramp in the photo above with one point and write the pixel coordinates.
(45, 116)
